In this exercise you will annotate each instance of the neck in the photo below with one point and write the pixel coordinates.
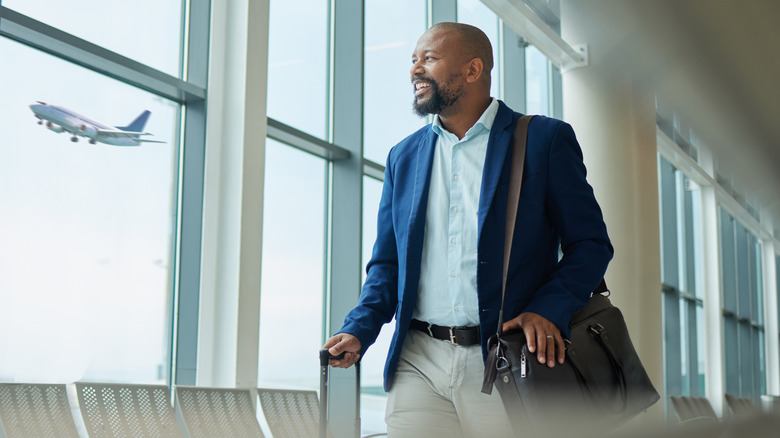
(460, 118)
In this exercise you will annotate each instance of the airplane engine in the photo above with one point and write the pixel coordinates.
(88, 130)
(54, 127)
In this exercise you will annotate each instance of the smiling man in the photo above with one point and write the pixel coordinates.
(437, 261)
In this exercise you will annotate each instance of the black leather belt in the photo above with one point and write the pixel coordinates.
(456, 335)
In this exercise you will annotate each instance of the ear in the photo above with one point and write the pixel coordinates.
(474, 70)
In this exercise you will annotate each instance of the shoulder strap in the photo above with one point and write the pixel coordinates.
(513, 199)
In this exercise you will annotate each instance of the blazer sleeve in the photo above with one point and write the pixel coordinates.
(379, 295)
(577, 218)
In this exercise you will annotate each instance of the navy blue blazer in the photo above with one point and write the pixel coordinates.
(557, 208)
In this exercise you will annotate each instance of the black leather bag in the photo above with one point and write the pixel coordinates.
(601, 383)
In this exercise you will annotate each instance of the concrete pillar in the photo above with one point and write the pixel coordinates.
(614, 118)
(233, 195)
(715, 381)
(770, 312)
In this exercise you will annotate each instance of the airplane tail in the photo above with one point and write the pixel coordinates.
(138, 124)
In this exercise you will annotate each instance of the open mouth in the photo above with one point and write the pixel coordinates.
(421, 87)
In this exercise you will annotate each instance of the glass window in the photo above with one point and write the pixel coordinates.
(391, 33)
(746, 359)
(669, 247)
(743, 272)
(728, 264)
(741, 277)
(693, 248)
(731, 346)
(684, 352)
(759, 362)
(86, 229)
(701, 350)
(293, 267)
(298, 65)
(537, 82)
(680, 209)
(148, 31)
(475, 13)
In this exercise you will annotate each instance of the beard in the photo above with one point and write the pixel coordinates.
(440, 97)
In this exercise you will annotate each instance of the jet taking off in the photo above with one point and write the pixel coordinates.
(59, 119)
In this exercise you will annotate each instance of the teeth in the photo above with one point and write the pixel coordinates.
(421, 85)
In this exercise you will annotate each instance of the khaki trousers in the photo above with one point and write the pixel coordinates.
(437, 393)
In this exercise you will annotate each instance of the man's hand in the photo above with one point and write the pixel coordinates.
(343, 342)
(541, 333)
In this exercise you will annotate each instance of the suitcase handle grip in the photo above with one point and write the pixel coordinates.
(325, 356)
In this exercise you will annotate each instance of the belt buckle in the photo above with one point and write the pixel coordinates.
(452, 336)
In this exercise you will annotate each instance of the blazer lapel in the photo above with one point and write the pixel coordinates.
(422, 181)
(498, 146)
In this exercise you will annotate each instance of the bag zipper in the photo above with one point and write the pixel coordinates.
(522, 365)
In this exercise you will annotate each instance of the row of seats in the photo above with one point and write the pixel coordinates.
(121, 410)
(694, 408)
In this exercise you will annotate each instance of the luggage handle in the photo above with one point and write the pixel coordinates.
(325, 358)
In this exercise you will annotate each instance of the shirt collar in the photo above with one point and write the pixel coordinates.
(485, 121)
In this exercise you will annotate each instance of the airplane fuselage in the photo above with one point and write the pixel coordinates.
(59, 119)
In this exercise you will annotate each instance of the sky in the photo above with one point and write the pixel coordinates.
(85, 230)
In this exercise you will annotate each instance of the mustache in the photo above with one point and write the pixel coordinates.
(423, 79)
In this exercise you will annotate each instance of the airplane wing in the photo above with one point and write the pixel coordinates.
(115, 133)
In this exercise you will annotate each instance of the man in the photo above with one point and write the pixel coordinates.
(437, 261)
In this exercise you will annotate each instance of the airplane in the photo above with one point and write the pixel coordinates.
(60, 119)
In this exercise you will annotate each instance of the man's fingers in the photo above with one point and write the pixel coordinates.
(343, 343)
(333, 340)
(347, 361)
(542, 337)
(530, 337)
(336, 349)
(338, 346)
(542, 344)
(551, 343)
(561, 348)
(509, 325)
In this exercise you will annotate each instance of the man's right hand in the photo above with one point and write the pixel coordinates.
(343, 342)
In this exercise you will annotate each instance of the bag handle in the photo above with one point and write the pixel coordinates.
(513, 199)
(600, 334)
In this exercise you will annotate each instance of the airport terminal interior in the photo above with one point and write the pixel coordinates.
(220, 247)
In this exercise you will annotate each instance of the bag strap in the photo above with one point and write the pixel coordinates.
(513, 199)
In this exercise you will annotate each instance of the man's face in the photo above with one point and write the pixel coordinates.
(436, 73)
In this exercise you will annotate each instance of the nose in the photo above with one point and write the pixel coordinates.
(416, 68)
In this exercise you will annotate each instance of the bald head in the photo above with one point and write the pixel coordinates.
(472, 43)
(451, 72)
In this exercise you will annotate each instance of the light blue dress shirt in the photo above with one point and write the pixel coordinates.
(448, 281)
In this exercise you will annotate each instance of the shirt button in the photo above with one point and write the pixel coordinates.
(457, 307)
(456, 177)
(454, 240)
(457, 146)
(455, 208)
(452, 274)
